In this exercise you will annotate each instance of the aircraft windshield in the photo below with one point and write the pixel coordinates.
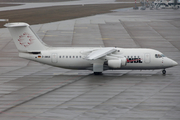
(159, 55)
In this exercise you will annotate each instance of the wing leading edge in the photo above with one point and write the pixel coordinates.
(100, 53)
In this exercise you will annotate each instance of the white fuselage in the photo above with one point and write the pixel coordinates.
(31, 47)
(75, 58)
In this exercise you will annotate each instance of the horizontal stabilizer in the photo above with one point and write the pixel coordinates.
(10, 25)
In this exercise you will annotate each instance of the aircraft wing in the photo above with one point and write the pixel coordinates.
(98, 53)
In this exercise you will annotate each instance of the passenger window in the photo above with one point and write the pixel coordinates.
(59, 56)
(135, 59)
(66, 56)
(132, 59)
(79, 56)
(63, 56)
(76, 56)
(69, 56)
(73, 56)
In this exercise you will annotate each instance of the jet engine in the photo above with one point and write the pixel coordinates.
(117, 63)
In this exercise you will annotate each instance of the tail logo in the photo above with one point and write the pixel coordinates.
(25, 39)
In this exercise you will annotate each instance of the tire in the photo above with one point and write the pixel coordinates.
(163, 72)
(97, 73)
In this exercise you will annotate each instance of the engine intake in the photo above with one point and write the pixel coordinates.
(117, 63)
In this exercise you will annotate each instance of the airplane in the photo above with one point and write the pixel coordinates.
(167, 3)
(97, 59)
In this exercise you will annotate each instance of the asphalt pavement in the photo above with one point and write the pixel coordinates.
(34, 91)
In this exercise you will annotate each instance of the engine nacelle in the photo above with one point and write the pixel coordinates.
(117, 63)
(123, 61)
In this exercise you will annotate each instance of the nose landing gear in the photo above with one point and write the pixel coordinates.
(164, 72)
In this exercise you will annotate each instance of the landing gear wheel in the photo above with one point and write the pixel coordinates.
(97, 73)
(163, 72)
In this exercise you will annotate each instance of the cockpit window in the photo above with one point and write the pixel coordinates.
(163, 55)
(159, 55)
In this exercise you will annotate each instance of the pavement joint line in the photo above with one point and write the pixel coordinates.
(72, 40)
(130, 34)
(76, 96)
(72, 98)
(100, 31)
(29, 117)
(58, 26)
(107, 99)
(3, 111)
(100, 35)
(165, 38)
(6, 44)
(21, 98)
(170, 41)
(147, 97)
(172, 24)
(14, 70)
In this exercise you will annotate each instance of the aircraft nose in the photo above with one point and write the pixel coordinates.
(174, 63)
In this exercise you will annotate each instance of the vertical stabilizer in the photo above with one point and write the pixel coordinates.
(24, 38)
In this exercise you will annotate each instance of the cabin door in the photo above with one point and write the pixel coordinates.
(54, 58)
(147, 58)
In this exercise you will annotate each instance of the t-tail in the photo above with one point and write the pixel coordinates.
(24, 38)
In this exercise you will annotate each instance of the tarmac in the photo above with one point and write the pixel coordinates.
(30, 5)
(34, 91)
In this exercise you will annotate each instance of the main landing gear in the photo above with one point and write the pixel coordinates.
(97, 73)
(164, 72)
